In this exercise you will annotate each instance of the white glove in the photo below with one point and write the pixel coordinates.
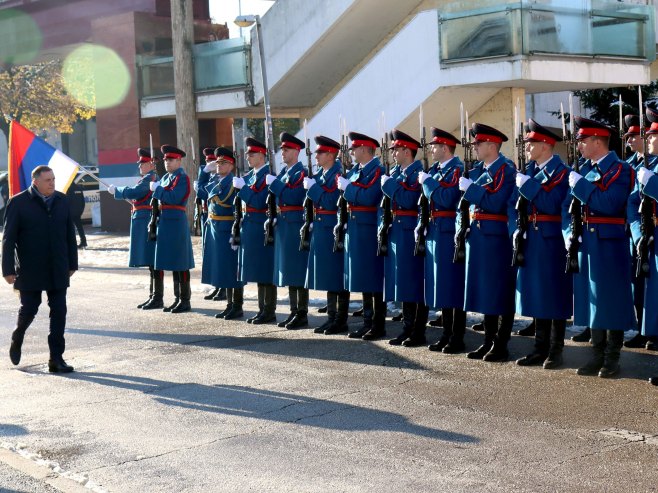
(567, 241)
(269, 179)
(422, 176)
(418, 229)
(384, 179)
(464, 183)
(573, 178)
(153, 185)
(211, 167)
(521, 179)
(643, 175)
(233, 247)
(111, 189)
(308, 182)
(265, 224)
(343, 182)
(238, 182)
(310, 227)
(195, 185)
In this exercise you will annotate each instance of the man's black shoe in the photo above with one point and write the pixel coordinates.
(223, 313)
(211, 295)
(82, 246)
(153, 304)
(298, 321)
(553, 361)
(590, 368)
(172, 306)
(534, 359)
(415, 341)
(183, 306)
(374, 334)
(142, 305)
(322, 309)
(59, 367)
(234, 313)
(15, 350)
(336, 328)
(251, 319)
(288, 319)
(479, 352)
(454, 347)
(636, 342)
(651, 345)
(496, 354)
(440, 344)
(397, 318)
(399, 339)
(359, 333)
(478, 327)
(584, 336)
(264, 319)
(221, 295)
(358, 313)
(528, 331)
(437, 323)
(609, 370)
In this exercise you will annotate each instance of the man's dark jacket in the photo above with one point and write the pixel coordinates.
(38, 246)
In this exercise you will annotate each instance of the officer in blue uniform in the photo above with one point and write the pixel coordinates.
(173, 247)
(444, 279)
(206, 179)
(289, 263)
(646, 188)
(325, 267)
(544, 291)
(490, 278)
(255, 260)
(142, 251)
(363, 269)
(403, 271)
(603, 298)
(633, 139)
(220, 256)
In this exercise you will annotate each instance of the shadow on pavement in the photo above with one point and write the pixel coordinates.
(338, 348)
(7, 430)
(249, 402)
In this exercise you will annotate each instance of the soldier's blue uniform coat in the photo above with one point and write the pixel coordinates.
(444, 279)
(255, 260)
(403, 271)
(173, 247)
(289, 263)
(325, 268)
(142, 251)
(220, 261)
(602, 288)
(363, 269)
(203, 184)
(490, 278)
(543, 288)
(650, 318)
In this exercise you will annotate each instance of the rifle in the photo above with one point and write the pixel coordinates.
(423, 202)
(305, 232)
(237, 201)
(518, 257)
(198, 208)
(385, 205)
(647, 226)
(341, 222)
(271, 198)
(575, 208)
(155, 207)
(464, 206)
(621, 128)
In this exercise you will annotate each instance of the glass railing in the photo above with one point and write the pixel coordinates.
(585, 28)
(218, 65)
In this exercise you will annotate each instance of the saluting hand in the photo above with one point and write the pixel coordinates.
(211, 167)
(153, 185)
(521, 179)
(644, 175)
(308, 182)
(269, 179)
(384, 179)
(464, 183)
(422, 176)
(238, 182)
(573, 178)
(342, 183)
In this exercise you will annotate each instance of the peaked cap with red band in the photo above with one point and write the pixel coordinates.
(172, 152)
(589, 128)
(536, 133)
(484, 133)
(209, 153)
(362, 140)
(144, 155)
(290, 141)
(400, 139)
(224, 153)
(651, 113)
(253, 145)
(325, 144)
(442, 137)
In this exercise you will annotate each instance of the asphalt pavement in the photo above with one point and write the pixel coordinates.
(185, 402)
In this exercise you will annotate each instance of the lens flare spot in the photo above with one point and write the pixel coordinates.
(96, 76)
(21, 37)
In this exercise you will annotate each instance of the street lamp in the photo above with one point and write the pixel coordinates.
(246, 21)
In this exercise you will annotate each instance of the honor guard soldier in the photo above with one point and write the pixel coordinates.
(142, 251)
(544, 291)
(363, 269)
(173, 247)
(603, 299)
(644, 196)
(403, 271)
(633, 139)
(255, 260)
(206, 179)
(220, 256)
(325, 267)
(289, 263)
(490, 278)
(444, 279)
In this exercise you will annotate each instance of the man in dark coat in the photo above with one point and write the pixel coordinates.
(39, 254)
(76, 198)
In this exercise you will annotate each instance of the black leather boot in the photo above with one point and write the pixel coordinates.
(446, 318)
(490, 325)
(378, 329)
(158, 291)
(593, 366)
(584, 336)
(637, 341)
(185, 293)
(614, 342)
(176, 293)
(528, 331)
(141, 305)
(540, 352)
(456, 342)
(269, 306)
(301, 317)
(212, 294)
(236, 295)
(498, 351)
(220, 295)
(417, 337)
(17, 337)
(554, 358)
(408, 321)
(261, 302)
(343, 305)
(367, 311)
(332, 303)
